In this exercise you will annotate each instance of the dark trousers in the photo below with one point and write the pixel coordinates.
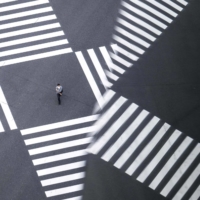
(58, 96)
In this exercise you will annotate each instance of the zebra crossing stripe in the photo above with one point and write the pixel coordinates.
(1, 127)
(188, 161)
(64, 190)
(59, 125)
(7, 111)
(26, 13)
(195, 195)
(172, 4)
(140, 146)
(62, 179)
(6, 1)
(23, 5)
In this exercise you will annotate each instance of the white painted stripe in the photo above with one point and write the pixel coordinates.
(111, 75)
(57, 136)
(132, 37)
(7, 111)
(35, 57)
(26, 13)
(106, 56)
(196, 194)
(23, 5)
(1, 127)
(150, 9)
(58, 157)
(120, 60)
(74, 198)
(90, 78)
(147, 150)
(62, 179)
(105, 117)
(140, 22)
(125, 136)
(182, 169)
(6, 1)
(102, 141)
(64, 190)
(144, 15)
(98, 67)
(177, 7)
(134, 145)
(109, 62)
(108, 96)
(31, 39)
(151, 166)
(183, 2)
(188, 183)
(34, 47)
(29, 30)
(162, 7)
(175, 156)
(29, 21)
(59, 146)
(126, 53)
(136, 29)
(61, 168)
(59, 124)
(127, 44)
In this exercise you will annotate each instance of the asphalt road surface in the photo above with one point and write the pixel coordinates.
(165, 81)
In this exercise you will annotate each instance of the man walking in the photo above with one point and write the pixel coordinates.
(59, 91)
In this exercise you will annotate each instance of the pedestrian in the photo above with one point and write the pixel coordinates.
(59, 91)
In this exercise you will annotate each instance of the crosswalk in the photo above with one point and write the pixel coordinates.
(7, 112)
(138, 25)
(29, 31)
(58, 153)
(146, 148)
(97, 65)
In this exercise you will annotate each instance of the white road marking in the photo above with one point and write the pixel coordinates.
(187, 184)
(113, 128)
(172, 160)
(29, 21)
(150, 9)
(90, 78)
(30, 30)
(121, 60)
(7, 111)
(26, 13)
(125, 136)
(23, 5)
(151, 166)
(32, 39)
(143, 134)
(57, 136)
(111, 75)
(61, 168)
(60, 124)
(35, 57)
(59, 146)
(62, 179)
(177, 7)
(64, 190)
(74, 198)
(98, 68)
(196, 194)
(34, 47)
(1, 127)
(144, 15)
(182, 169)
(136, 29)
(6, 1)
(183, 2)
(58, 157)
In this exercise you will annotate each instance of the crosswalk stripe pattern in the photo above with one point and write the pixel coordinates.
(146, 148)
(138, 25)
(58, 152)
(30, 31)
(97, 65)
(7, 113)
